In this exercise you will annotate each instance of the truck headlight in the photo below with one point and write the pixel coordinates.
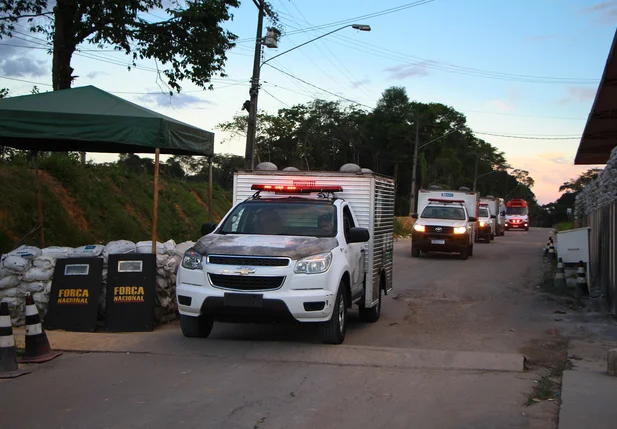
(192, 260)
(419, 228)
(314, 264)
(460, 230)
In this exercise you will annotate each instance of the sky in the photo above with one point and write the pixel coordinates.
(524, 72)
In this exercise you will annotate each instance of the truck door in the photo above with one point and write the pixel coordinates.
(354, 253)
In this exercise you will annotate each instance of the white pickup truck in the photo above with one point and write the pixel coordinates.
(296, 246)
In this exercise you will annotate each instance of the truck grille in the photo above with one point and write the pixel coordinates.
(247, 260)
(246, 282)
(444, 229)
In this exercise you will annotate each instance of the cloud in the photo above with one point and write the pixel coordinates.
(605, 12)
(361, 82)
(177, 100)
(14, 63)
(95, 74)
(578, 94)
(501, 106)
(540, 38)
(403, 71)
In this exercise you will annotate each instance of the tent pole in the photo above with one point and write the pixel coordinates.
(39, 199)
(155, 214)
(210, 190)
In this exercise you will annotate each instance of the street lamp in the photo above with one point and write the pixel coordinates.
(249, 161)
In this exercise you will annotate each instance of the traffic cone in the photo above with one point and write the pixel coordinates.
(581, 280)
(8, 354)
(551, 250)
(38, 349)
(560, 275)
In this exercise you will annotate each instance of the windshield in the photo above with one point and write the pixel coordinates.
(454, 213)
(516, 211)
(273, 218)
(484, 213)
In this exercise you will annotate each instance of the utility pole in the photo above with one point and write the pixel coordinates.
(412, 199)
(475, 175)
(249, 162)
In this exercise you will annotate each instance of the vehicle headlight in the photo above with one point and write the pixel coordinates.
(460, 230)
(482, 223)
(192, 260)
(419, 228)
(314, 264)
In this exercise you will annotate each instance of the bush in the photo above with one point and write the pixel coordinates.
(563, 226)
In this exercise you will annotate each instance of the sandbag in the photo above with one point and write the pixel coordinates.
(120, 247)
(161, 283)
(37, 275)
(32, 287)
(14, 292)
(41, 298)
(172, 264)
(89, 251)
(45, 262)
(170, 247)
(161, 260)
(9, 282)
(16, 264)
(183, 247)
(3, 271)
(146, 247)
(26, 252)
(16, 310)
(160, 271)
(57, 252)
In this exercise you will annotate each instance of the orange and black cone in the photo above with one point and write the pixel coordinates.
(8, 354)
(38, 349)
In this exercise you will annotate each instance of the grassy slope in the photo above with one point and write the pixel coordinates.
(98, 204)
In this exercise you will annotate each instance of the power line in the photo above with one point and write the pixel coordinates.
(277, 99)
(24, 81)
(514, 136)
(317, 87)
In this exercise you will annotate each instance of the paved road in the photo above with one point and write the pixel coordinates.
(279, 377)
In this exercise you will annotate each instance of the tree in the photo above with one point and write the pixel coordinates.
(577, 185)
(190, 43)
(4, 92)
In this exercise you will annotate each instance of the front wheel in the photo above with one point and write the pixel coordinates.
(333, 331)
(371, 315)
(196, 327)
(415, 253)
(465, 253)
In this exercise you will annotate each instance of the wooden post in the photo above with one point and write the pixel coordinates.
(155, 213)
(612, 362)
(210, 199)
(39, 198)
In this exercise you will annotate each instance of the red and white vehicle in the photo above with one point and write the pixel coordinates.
(517, 214)
(297, 246)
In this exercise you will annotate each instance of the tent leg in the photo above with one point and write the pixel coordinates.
(210, 191)
(155, 213)
(39, 199)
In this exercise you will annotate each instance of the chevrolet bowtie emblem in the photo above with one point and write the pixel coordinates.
(244, 271)
(438, 229)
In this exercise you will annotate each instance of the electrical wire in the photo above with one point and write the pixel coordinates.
(277, 99)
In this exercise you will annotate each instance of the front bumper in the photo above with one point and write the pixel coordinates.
(429, 242)
(196, 295)
(522, 225)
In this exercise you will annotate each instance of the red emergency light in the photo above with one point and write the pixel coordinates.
(439, 200)
(296, 189)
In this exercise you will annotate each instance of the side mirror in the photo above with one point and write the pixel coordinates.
(207, 228)
(493, 217)
(359, 235)
(414, 216)
(472, 219)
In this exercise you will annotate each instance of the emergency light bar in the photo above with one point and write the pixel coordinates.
(439, 200)
(296, 189)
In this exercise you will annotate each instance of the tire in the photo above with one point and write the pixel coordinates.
(488, 239)
(196, 327)
(333, 331)
(371, 315)
(492, 237)
(465, 253)
(526, 229)
(415, 253)
(470, 252)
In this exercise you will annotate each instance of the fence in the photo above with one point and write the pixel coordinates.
(603, 251)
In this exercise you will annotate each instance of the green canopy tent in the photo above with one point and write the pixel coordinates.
(87, 119)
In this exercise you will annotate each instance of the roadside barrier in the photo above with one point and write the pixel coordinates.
(581, 279)
(560, 275)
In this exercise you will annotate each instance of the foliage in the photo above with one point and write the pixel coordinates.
(563, 226)
(99, 203)
(190, 42)
(577, 185)
(324, 135)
